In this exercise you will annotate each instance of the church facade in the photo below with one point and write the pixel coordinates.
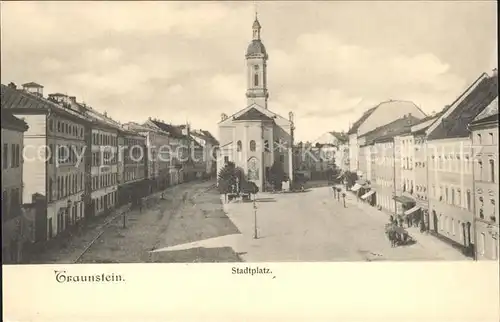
(255, 137)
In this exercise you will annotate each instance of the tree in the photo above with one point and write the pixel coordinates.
(228, 176)
(277, 174)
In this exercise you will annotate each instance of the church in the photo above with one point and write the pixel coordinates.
(255, 137)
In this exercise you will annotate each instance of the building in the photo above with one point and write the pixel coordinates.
(179, 149)
(56, 168)
(383, 161)
(13, 223)
(195, 167)
(484, 133)
(102, 165)
(158, 146)
(132, 167)
(450, 179)
(255, 137)
(329, 151)
(210, 145)
(416, 178)
(376, 117)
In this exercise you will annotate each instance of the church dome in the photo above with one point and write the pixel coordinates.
(256, 47)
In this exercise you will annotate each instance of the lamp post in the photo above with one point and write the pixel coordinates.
(254, 218)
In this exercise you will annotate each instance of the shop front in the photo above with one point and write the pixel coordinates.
(405, 209)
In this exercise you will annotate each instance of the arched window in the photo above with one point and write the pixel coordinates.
(238, 146)
(256, 80)
(252, 145)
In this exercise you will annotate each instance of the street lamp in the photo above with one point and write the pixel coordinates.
(254, 218)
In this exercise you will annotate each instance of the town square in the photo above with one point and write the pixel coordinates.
(261, 147)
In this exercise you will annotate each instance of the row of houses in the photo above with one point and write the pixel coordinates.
(64, 161)
(441, 169)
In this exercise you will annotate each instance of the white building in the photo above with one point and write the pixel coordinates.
(255, 137)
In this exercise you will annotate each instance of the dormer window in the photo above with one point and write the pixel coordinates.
(256, 80)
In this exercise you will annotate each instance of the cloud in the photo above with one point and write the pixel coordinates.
(185, 61)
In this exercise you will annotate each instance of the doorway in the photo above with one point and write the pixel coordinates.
(435, 221)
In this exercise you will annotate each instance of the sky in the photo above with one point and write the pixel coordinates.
(179, 62)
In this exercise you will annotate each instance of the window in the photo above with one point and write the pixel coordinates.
(5, 153)
(238, 146)
(5, 208)
(13, 156)
(492, 216)
(252, 145)
(452, 196)
(453, 226)
(481, 208)
(478, 138)
(492, 170)
(482, 243)
(266, 146)
(226, 159)
(282, 158)
(256, 80)
(491, 138)
(468, 199)
(446, 195)
(459, 197)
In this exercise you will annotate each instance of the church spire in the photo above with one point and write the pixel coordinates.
(256, 28)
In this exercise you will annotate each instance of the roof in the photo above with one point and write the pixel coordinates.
(361, 120)
(490, 110)
(253, 115)
(11, 122)
(174, 131)
(366, 115)
(256, 24)
(341, 136)
(256, 47)
(390, 130)
(20, 99)
(32, 84)
(455, 125)
(207, 136)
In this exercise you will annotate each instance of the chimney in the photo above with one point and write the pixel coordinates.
(12, 85)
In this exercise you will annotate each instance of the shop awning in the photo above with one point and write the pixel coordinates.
(356, 187)
(368, 194)
(412, 210)
(404, 199)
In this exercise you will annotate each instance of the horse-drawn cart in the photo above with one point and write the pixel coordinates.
(397, 235)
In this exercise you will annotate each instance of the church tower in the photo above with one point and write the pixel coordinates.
(256, 57)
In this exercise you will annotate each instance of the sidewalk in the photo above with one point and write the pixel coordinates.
(425, 240)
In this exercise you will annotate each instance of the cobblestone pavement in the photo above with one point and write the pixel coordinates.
(313, 226)
(189, 212)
